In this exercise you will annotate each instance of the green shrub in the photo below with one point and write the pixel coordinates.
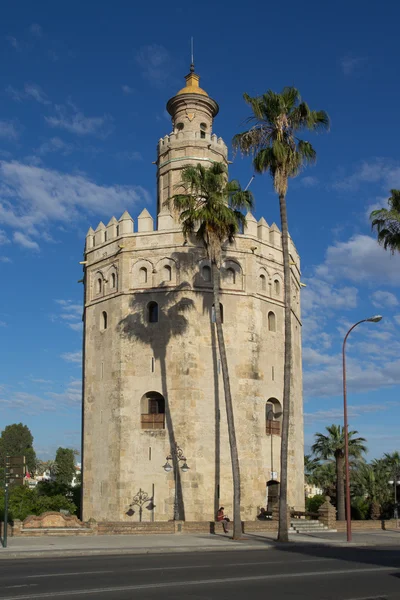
(24, 501)
(313, 504)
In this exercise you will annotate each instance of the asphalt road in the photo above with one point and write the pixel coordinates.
(311, 573)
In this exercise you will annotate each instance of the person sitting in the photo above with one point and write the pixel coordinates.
(263, 515)
(223, 519)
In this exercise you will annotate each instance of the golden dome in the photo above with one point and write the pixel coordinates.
(192, 85)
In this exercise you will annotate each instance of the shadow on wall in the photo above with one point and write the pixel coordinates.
(139, 325)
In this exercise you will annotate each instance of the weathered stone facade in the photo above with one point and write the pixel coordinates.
(152, 372)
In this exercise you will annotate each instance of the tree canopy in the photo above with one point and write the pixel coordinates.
(17, 440)
(387, 223)
(65, 461)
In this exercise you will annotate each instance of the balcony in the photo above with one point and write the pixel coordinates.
(156, 421)
(273, 428)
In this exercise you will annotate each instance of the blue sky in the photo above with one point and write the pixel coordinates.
(82, 105)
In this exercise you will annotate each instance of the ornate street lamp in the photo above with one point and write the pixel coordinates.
(374, 319)
(176, 456)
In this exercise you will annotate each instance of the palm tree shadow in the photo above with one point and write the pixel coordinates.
(172, 322)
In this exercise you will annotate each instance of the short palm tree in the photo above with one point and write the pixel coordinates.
(387, 223)
(272, 140)
(211, 207)
(332, 446)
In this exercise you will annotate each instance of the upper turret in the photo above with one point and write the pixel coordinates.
(191, 108)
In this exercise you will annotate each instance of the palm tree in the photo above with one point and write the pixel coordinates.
(211, 207)
(387, 223)
(332, 446)
(370, 482)
(276, 148)
(310, 467)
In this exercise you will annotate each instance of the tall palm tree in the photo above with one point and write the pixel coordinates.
(310, 467)
(387, 223)
(273, 142)
(211, 207)
(332, 446)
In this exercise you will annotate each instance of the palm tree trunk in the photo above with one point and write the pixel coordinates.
(341, 511)
(283, 530)
(237, 525)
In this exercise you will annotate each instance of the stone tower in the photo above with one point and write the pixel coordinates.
(152, 377)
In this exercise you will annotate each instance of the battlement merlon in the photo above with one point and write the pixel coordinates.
(183, 139)
(262, 237)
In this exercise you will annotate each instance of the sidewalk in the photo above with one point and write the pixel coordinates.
(53, 546)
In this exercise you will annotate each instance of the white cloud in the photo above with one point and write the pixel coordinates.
(3, 324)
(31, 90)
(74, 357)
(350, 63)
(55, 144)
(36, 30)
(8, 130)
(133, 156)
(155, 63)
(319, 293)
(70, 118)
(382, 171)
(308, 181)
(14, 42)
(397, 319)
(360, 260)
(353, 411)
(127, 90)
(313, 357)
(3, 237)
(31, 197)
(23, 240)
(5, 259)
(385, 299)
(36, 93)
(71, 313)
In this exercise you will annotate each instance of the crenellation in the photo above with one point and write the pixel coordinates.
(112, 229)
(89, 239)
(145, 222)
(99, 234)
(125, 224)
(263, 230)
(251, 227)
(275, 235)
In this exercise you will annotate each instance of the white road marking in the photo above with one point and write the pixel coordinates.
(224, 581)
(66, 574)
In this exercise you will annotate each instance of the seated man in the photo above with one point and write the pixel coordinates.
(263, 515)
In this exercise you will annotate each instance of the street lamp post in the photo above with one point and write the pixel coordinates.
(176, 456)
(374, 319)
(395, 482)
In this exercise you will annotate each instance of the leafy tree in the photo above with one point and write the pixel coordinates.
(24, 501)
(17, 440)
(273, 140)
(210, 207)
(332, 446)
(387, 223)
(65, 460)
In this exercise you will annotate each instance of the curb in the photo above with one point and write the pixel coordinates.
(178, 550)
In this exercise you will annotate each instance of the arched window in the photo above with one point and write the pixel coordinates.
(263, 283)
(277, 287)
(273, 416)
(180, 126)
(203, 129)
(104, 320)
(153, 411)
(230, 275)
(99, 285)
(113, 280)
(271, 321)
(221, 308)
(143, 275)
(167, 271)
(206, 273)
(152, 312)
